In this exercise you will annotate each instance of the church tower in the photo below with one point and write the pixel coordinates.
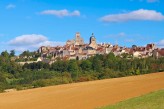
(92, 42)
(78, 39)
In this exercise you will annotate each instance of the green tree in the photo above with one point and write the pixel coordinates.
(86, 65)
(60, 66)
(12, 53)
(5, 54)
(97, 64)
(72, 66)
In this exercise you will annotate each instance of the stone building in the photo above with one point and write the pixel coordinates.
(42, 49)
(77, 41)
(70, 42)
(92, 42)
(77, 49)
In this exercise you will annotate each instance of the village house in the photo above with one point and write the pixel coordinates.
(77, 49)
(157, 53)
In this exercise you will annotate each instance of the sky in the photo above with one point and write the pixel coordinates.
(29, 24)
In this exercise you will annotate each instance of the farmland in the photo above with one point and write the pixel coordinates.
(84, 95)
(152, 100)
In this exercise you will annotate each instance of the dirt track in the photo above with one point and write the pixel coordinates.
(86, 95)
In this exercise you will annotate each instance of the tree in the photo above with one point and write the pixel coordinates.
(86, 65)
(97, 64)
(111, 56)
(5, 54)
(25, 53)
(125, 55)
(72, 66)
(2, 77)
(60, 66)
(12, 53)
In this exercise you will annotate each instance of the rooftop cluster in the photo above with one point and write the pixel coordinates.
(77, 49)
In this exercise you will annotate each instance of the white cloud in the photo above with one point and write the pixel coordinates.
(10, 6)
(141, 14)
(31, 42)
(61, 13)
(27, 39)
(161, 44)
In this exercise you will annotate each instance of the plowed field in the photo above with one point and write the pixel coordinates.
(85, 95)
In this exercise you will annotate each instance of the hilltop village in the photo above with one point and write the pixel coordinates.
(77, 49)
(77, 62)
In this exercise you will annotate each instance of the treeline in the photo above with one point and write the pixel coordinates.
(101, 63)
(97, 67)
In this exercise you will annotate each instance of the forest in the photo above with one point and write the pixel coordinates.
(33, 75)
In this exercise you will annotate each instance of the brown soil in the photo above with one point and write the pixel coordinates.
(86, 95)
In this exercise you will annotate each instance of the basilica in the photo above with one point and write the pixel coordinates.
(73, 49)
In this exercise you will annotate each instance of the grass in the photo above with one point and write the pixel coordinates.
(154, 100)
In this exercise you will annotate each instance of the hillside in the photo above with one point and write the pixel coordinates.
(85, 95)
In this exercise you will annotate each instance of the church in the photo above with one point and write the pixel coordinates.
(79, 41)
(74, 49)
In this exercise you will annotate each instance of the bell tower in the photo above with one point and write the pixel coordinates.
(92, 42)
(78, 39)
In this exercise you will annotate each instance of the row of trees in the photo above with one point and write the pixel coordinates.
(99, 63)
(42, 74)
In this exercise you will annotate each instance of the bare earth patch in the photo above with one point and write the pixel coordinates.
(86, 95)
(10, 90)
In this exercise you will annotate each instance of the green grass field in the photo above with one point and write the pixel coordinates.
(154, 100)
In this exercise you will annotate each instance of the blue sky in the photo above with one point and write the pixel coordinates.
(28, 24)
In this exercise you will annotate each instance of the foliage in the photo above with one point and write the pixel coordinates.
(40, 74)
